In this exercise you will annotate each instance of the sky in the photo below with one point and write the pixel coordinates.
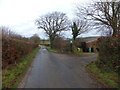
(20, 15)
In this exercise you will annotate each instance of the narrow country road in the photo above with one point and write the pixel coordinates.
(51, 70)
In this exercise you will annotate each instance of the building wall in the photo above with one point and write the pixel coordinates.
(45, 42)
(92, 45)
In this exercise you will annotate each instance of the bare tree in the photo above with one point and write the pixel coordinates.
(53, 23)
(103, 14)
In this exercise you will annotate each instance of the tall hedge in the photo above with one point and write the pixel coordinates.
(109, 53)
(14, 48)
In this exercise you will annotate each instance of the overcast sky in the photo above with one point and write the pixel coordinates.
(20, 15)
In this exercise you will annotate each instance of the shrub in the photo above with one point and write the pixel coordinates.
(14, 47)
(60, 44)
(109, 57)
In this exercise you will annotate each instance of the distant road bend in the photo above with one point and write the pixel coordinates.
(52, 70)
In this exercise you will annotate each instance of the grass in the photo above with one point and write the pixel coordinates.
(52, 49)
(75, 52)
(12, 76)
(83, 54)
(108, 79)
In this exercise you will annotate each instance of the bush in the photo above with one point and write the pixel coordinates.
(14, 47)
(109, 57)
(60, 44)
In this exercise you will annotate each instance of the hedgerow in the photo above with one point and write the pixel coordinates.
(109, 54)
(14, 47)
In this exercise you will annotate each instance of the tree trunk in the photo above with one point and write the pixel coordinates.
(115, 31)
(51, 42)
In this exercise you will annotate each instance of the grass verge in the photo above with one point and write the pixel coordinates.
(12, 76)
(108, 79)
(52, 50)
(74, 53)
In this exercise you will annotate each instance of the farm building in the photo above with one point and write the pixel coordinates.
(88, 44)
(45, 42)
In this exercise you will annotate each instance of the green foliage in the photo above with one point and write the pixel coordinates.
(51, 49)
(108, 79)
(109, 57)
(76, 50)
(13, 74)
(75, 31)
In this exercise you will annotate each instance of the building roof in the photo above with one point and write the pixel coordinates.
(88, 39)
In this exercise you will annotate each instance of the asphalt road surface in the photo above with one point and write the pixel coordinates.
(52, 70)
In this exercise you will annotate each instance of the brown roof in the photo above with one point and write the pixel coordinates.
(88, 39)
